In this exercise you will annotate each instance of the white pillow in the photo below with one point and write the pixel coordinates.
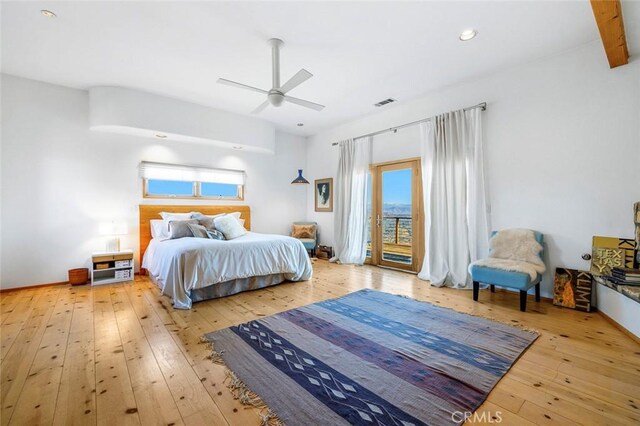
(237, 216)
(229, 226)
(175, 216)
(159, 230)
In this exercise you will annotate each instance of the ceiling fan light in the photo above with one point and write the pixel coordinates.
(276, 99)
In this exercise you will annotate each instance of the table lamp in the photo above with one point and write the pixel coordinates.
(112, 230)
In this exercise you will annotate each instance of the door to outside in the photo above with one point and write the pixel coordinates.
(395, 222)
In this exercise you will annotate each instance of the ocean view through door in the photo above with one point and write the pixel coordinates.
(394, 222)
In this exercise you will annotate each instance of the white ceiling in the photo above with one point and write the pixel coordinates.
(359, 52)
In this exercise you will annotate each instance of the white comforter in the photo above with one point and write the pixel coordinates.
(185, 264)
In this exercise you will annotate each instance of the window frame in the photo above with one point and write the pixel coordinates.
(196, 193)
(196, 175)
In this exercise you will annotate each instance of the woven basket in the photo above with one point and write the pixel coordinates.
(78, 276)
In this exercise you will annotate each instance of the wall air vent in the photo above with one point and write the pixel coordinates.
(384, 102)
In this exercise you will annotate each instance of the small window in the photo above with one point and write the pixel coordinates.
(224, 190)
(175, 181)
(169, 188)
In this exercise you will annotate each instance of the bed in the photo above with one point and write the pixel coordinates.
(193, 269)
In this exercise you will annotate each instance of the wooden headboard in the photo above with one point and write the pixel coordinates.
(148, 212)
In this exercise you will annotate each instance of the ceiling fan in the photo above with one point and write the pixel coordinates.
(278, 94)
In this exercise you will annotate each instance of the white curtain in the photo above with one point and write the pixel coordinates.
(351, 201)
(456, 221)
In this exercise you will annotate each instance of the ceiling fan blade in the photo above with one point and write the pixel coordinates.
(299, 78)
(303, 103)
(261, 107)
(240, 85)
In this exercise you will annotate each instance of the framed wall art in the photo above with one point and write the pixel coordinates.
(323, 190)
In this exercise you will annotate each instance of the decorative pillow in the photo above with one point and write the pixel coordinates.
(180, 228)
(159, 229)
(304, 231)
(205, 220)
(198, 231)
(237, 216)
(215, 235)
(169, 217)
(229, 226)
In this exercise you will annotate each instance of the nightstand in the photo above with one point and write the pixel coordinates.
(111, 267)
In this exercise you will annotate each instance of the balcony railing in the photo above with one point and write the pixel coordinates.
(396, 238)
(396, 221)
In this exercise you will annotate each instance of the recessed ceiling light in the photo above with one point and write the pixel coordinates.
(237, 147)
(467, 35)
(48, 13)
(300, 124)
(161, 136)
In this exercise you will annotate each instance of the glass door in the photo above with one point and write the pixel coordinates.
(395, 215)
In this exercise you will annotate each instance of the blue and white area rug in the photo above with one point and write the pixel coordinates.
(368, 358)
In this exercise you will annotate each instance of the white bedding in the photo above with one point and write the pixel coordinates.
(185, 264)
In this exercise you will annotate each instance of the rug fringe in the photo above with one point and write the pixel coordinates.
(216, 358)
(241, 391)
(270, 419)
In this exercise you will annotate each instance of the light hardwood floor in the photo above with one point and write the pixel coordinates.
(120, 354)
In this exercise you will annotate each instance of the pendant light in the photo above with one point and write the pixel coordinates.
(300, 179)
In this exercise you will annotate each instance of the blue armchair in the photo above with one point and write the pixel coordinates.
(518, 280)
(309, 243)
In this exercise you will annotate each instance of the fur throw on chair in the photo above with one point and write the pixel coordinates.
(514, 250)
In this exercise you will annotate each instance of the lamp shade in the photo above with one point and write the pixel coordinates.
(112, 228)
(300, 179)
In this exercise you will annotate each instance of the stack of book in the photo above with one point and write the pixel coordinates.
(625, 276)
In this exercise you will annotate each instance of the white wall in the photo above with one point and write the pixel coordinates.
(59, 180)
(562, 148)
(619, 308)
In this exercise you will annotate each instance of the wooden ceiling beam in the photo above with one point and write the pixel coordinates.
(608, 14)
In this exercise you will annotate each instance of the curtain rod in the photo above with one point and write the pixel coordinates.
(482, 106)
